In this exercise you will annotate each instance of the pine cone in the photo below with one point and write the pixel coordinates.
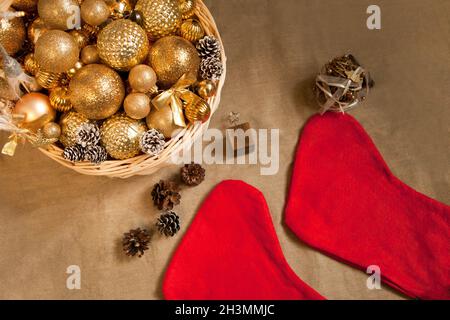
(211, 68)
(95, 154)
(192, 174)
(88, 134)
(136, 242)
(168, 224)
(74, 153)
(165, 195)
(208, 47)
(152, 142)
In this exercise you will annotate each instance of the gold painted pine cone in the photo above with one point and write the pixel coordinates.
(59, 99)
(192, 30)
(48, 80)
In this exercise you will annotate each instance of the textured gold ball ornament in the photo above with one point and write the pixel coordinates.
(69, 123)
(57, 14)
(52, 130)
(56, 51)
(120, 136)
(137, 105)
(172, 57)
(122, 44)
(80, 38)
(36, 29)
(96, 91)
(30, 64)
(142, 78)
(119, 8)
(59, 99)
(187, 8)
(48, 80)
(206, 89)
(192, 30)
(37, 110)
(160, 17)
(12, 34)
(94, 12)
(162, 120)
(25, 5)
(197, 109)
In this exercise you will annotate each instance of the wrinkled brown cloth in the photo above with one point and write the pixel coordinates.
(52, 217)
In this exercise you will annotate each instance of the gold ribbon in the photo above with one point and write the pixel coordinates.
(173, 98)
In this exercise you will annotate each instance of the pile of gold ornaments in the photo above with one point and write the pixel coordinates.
(127, 66)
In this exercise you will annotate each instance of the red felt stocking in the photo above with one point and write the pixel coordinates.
(231, 251)
(345, 201)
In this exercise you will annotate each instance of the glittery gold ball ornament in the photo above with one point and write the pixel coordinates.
(206, 89)
(80, 38)
(119, 8)
(52, 130)
(187, 8)
(12, 34)
(25, 5)
(120, 136)
(37, 111)
(58, 14)
(48, 80)
(162, 120)
(192, 30)
(59, 99)
(70, 123)
(36, 29)
(30, 64)
(137, 105)
(160, 17)
(172, 57)
(94, 12)
(56, 51)
(197, 109)
(122, 44)
(142, 78)
(96, 91)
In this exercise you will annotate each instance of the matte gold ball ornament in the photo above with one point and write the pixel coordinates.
(58, 14)
(70, 123)
(160, 18)
(122, 44)
(162, 120)
(36, 109)
(172, 57)
(89, 55)
(51, 130)
(206, 89)
(56, 51)
(120, 136)
(12, 34)
(192, 30)
(94, 12)
(142, 78)
(96, 91)
(137, 105)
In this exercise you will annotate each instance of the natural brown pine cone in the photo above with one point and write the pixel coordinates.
(136, 242)
(192, 174)
(165, 195)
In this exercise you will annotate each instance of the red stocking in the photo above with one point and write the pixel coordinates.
(345, 201)
(231, 251)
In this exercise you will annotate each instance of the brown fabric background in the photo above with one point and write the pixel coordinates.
(52, 217)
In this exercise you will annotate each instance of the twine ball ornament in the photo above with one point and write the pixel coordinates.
(122, 44)
(160, 18)
(137, 105)
(94, 12)
(172, 57)
(37, 111)
(89, 55)
(59, 99)
(162, 120)
(192, 30)
(206, 89)
(12, 34)
(57, 14)
(120, 136)
(187, 8)
(56, 51)
(70, 123)
(142, 78)
(96, 91)
(36, 29)
(52, 130)
(25, 5)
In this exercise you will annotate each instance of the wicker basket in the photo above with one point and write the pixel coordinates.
(145, 164)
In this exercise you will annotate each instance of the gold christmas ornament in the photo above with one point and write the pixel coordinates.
(59, 99)
(192, 30)
(137, 105)
(25, 5)
(30, 64)
(48, 80)
(162, 120)
(206, 89)
(187, 8)
(89, 55)
(90, 31)
(58, 14)
(119, 8)
(37, 111)
(12, 34)
(120, 136)
(122, 44)
(142, 78)
(172, 57)
(36, 29)
(94, 12)
(70, 123)
(51, 130)
(197, 109)
(56, 51)
(160, 17)
(71, 72)
(80, 38)
(96, 91)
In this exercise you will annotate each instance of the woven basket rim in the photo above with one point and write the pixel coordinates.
(145, 164)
